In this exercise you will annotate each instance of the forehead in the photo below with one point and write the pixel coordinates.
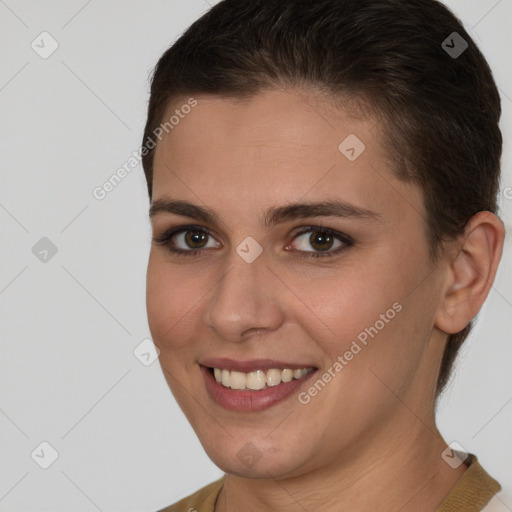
(277, 146)
(290, 123)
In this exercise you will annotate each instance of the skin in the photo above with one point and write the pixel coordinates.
(368, 440)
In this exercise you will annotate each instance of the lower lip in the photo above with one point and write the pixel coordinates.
(250, 401)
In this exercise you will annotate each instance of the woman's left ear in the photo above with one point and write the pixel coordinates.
(471, 272)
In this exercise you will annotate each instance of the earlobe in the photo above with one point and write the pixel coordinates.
(471, 272)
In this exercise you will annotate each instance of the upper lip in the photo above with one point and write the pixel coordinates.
(251, 365)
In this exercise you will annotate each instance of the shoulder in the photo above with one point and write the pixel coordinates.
(474, 490)
(202, 500)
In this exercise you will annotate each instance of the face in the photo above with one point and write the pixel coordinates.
(339, 284)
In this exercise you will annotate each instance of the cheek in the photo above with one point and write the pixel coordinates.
(368, 316)
(170, 304)
(382, 347)
(347, 304)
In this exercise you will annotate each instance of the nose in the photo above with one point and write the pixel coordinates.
(245, 300)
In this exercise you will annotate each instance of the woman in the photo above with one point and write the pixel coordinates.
(323, 179)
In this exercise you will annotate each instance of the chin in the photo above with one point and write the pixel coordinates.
(248, 461)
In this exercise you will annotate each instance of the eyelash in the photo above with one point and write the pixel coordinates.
(166, 237)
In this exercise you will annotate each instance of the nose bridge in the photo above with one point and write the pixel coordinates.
(242, 298)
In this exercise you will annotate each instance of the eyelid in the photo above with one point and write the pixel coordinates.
(323, 229)
(179, 229)
(166, 237)
(346, 242)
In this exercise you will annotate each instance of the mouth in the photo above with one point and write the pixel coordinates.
(257, 380)
(255, 385)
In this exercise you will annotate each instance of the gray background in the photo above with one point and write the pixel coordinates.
(69, 326)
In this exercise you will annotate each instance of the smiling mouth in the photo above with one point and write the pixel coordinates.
(257, 380)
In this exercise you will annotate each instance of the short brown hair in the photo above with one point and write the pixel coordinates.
(440, 111)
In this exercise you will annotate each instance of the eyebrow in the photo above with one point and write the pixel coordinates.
(272, 216)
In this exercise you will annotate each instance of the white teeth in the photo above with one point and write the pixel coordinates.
(238, 380)
(287, 375)
(258, 379)
(273, 377)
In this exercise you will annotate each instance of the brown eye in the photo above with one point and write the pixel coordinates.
(187, 240)
(192, 240)
(317, 241)
(321, 241)
(195, 239)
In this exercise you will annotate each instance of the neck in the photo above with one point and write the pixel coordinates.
(390, 472)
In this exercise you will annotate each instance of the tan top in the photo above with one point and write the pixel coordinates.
(472, 492)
